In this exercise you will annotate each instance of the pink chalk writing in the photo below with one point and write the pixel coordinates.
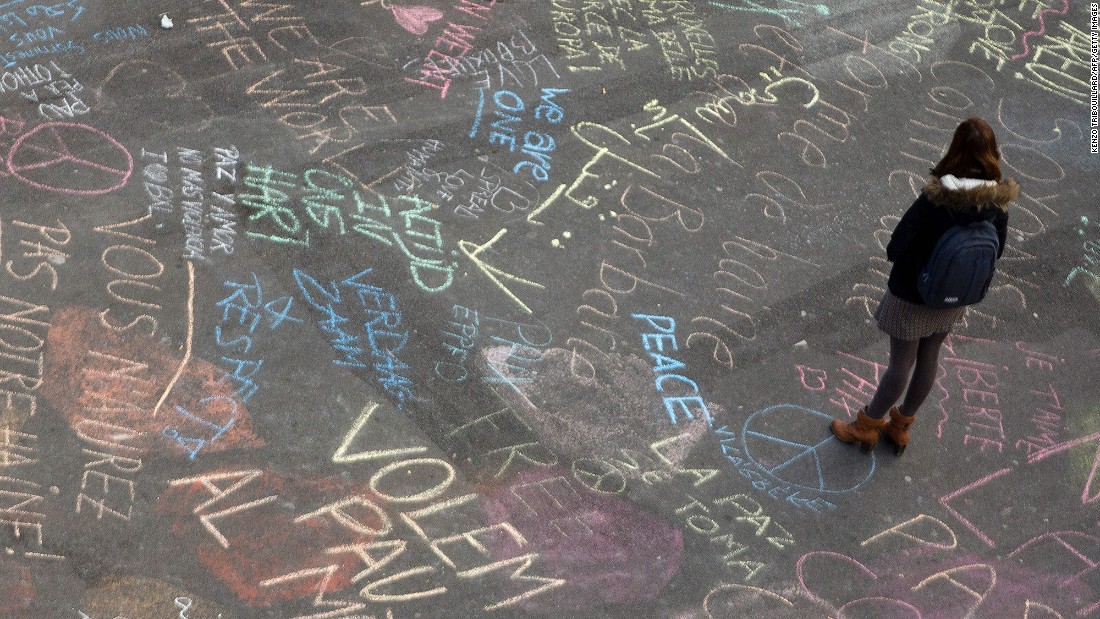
(814, 375)
(1042, 29)
(953, 495)
(1064, 540)
(1087, 494)
(454, 43)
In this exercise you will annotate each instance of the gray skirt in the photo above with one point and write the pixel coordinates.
(908, 321)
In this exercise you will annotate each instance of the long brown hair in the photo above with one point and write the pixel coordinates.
(973, 152)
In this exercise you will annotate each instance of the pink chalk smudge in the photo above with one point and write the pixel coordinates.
(608, 550)
(1042, 28)
(415, 19)
(16, 588)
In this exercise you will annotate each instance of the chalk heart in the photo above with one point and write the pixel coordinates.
(415, 19)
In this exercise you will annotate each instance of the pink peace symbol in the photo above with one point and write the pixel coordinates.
(36, 153)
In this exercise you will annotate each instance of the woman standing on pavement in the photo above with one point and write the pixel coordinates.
(965, 187)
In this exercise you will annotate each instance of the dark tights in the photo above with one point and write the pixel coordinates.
(904, 354)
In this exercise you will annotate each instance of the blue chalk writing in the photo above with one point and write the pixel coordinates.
(478, 112)
(549, 109)
(193, 445)
(664, 334)
(123, 33)
(246, 386)
(536, 147)
(380, 318)
(732, 451)
(244, 309)
(10, 59)
(778, 456)
(40, 35)
(58, 10)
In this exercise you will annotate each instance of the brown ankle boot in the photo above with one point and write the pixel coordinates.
(864, 429)
(897, 430)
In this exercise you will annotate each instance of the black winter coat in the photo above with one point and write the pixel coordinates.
(934, 211)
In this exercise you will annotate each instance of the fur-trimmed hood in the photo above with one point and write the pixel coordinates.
(963, 194)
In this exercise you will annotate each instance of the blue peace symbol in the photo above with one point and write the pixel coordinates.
(800, 450)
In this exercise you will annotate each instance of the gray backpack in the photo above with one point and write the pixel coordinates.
(961, 266)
